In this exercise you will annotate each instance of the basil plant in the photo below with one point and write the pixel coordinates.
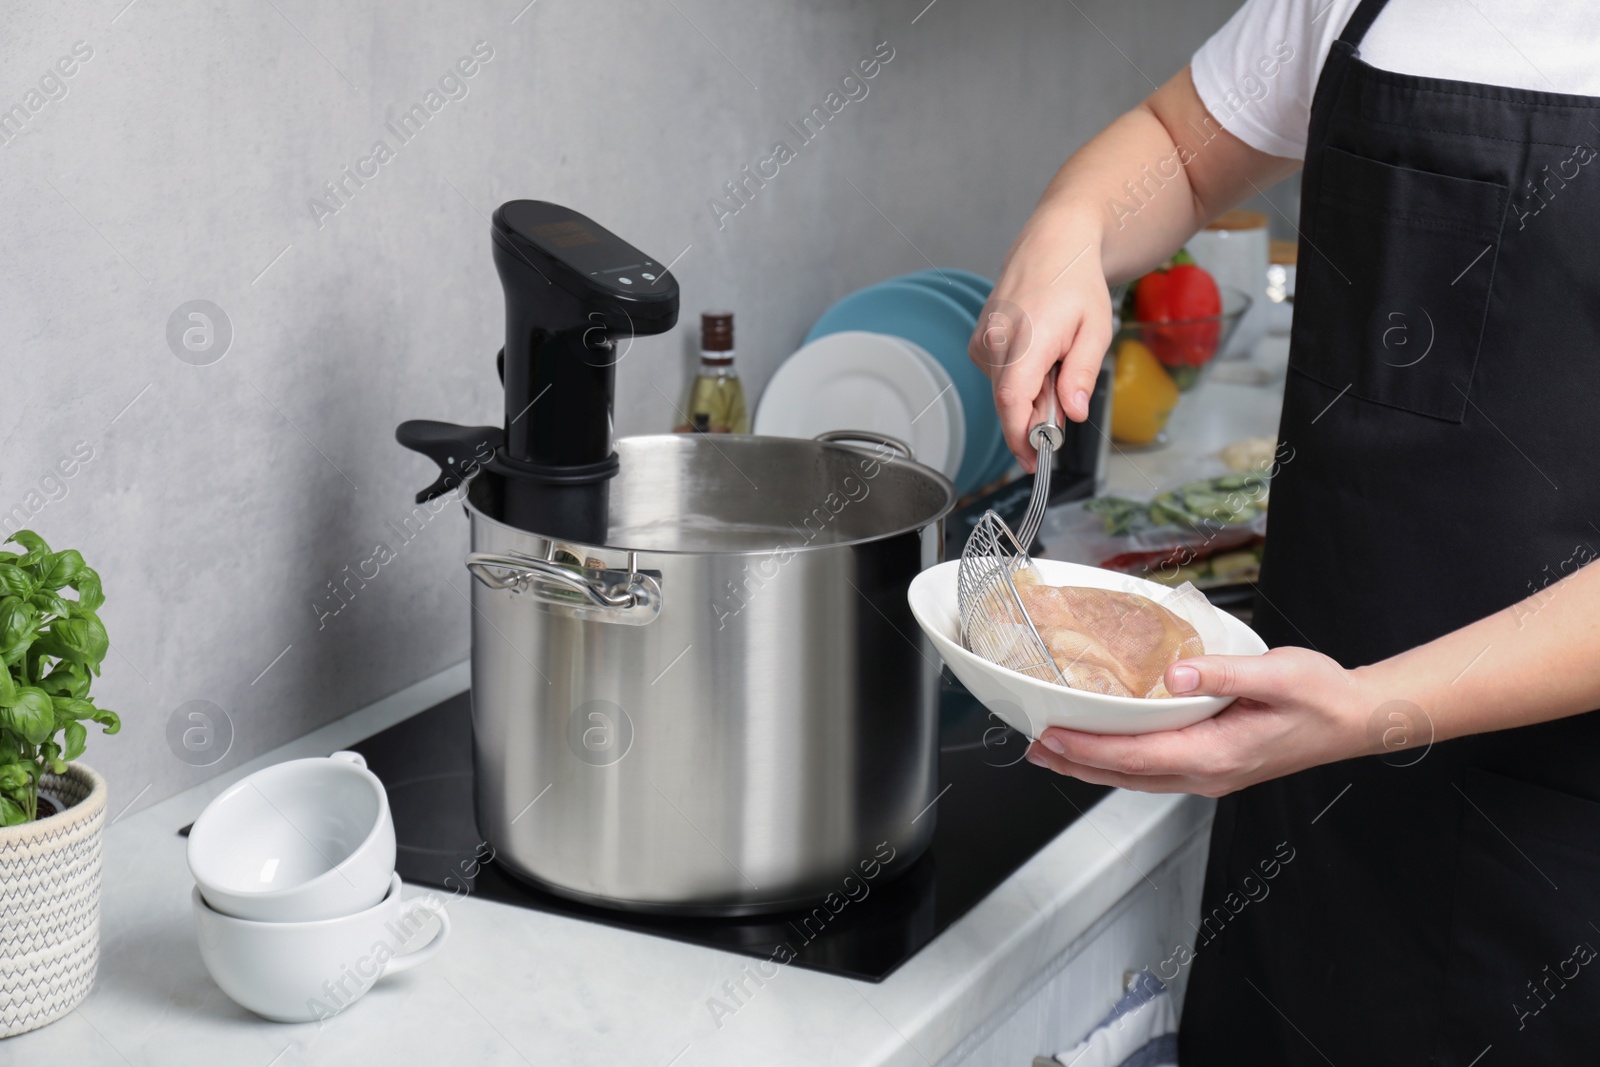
(50, 648)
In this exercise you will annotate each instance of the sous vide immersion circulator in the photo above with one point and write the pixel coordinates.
(576, 295)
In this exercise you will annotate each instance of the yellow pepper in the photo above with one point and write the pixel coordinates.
(1143, 395)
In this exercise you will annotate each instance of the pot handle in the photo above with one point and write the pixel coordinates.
(871, 437)
(630, 597)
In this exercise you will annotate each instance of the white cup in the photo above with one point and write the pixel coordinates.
(299, 841)
(1233, 250)
(305, 972)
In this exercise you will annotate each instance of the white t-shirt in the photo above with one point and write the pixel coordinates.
(1258, 72)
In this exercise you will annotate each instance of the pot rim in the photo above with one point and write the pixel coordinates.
(945, 484)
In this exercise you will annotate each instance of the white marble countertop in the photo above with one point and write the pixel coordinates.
(519, 986)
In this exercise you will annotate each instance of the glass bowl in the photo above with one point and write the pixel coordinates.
(1186, 347)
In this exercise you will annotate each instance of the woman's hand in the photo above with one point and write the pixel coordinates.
(1121, 205)
(1295, 709)
(1050, 306)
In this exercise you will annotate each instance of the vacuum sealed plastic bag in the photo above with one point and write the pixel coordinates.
(1115, 642)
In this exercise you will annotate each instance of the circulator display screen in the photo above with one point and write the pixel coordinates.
(590, 250)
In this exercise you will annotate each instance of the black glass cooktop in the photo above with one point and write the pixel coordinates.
(995, 811)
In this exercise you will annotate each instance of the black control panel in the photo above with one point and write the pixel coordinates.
(582, 256)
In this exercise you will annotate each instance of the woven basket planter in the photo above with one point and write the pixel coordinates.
(50, 904)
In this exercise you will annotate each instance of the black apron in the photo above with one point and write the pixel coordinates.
(1439, 443)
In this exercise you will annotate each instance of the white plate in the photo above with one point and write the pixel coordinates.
(857, 380)
(950, 399)
(1031, 706)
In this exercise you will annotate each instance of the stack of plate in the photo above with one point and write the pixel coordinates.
(893, 358)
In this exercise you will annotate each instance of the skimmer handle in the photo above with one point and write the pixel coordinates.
(1046, 437)
(1048, 431)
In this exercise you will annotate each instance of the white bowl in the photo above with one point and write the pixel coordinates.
(296, 842)
(1031, 706)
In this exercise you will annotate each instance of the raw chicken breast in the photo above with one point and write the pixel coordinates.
(1104, 641)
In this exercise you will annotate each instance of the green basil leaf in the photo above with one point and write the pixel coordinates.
(77, 736)
(70, 709)
(54, 643)
(81, 640)
(51, 604)
(62, 569)
(33, 716)
(90, 594)
(15, 581)
(68, 679)
(110, 722)
(19, 625)
(97, 643)
(14, 776)
(31, 541)
(8, 688)
(11, 813)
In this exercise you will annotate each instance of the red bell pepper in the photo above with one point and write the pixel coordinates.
(1176, 295)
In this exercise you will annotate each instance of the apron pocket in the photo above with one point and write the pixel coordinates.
(1523, 972)
(1394, 285)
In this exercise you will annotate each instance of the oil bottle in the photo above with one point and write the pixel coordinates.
(716, 397)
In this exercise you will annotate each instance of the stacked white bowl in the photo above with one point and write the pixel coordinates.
(296, 898)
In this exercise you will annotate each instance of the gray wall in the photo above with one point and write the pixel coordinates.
(177, 162)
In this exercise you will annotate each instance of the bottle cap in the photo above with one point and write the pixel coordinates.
(716, 331)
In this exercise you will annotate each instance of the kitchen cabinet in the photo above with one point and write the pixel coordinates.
(1059, 1005)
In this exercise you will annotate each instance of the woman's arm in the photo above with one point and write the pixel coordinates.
(1122, 204)
(1534, 661)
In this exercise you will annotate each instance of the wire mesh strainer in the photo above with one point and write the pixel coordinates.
(994, 623)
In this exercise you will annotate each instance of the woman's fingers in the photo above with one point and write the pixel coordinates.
(1043, 757)
(1016, 352)
(1180, 753)
(1017, 398)
(1081, 367)
(1276, 677)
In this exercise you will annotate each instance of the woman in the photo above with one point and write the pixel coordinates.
(1420, 739)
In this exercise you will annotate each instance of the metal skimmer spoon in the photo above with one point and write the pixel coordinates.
(994, 624)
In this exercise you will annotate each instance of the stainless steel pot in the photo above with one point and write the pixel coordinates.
(726, 708)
